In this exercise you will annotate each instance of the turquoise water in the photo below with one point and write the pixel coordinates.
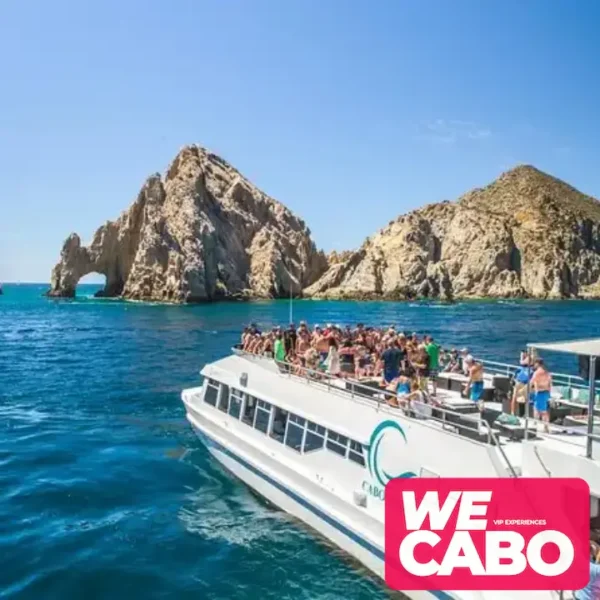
(104, 490)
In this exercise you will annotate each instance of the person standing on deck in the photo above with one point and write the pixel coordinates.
(302, 344)
(421, 366)
(289, 338)
(391, 357)
(321, 343)
(474, 388)
(519, 396)
(279, 348)
(542, 384)
(433, 350)
(332, 362)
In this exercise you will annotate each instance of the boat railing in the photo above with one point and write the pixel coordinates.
(452, 422)
(559, 379)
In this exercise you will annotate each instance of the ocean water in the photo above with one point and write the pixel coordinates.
(105, 493)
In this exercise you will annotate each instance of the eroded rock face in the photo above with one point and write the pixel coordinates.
(203, 232)
(525, 235)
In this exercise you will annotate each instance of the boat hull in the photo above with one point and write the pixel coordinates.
(225, 452)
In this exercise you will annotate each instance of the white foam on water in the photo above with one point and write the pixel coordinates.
(242, 524)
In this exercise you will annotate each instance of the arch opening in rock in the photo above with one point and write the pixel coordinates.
(91, 284)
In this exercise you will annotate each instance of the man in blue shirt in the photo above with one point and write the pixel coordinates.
(592, 590)
(391, 362)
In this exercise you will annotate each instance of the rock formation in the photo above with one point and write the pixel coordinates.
(525, 235)
(203, 232)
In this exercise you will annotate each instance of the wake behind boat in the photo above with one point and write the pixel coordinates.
(323, 448)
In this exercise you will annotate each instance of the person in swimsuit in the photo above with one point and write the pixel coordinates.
(403, 389)
(321, 343)
(474, 388)
(542, 384)
(347, 358)
(421, 366)
(519, 397)
(302, 344)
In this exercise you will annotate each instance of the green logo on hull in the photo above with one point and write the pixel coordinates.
(376, 471)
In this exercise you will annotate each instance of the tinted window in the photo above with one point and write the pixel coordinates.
(341, 450)
(317, 428)
(297, 419)
(293, 438)
(336, 437)
(210, 396)
(279, 422)
(357, 458)
(337, 443)
(262, 420)
(224, 398)
(356, 446)
(235, 404)
(248, 416)
(313, 442)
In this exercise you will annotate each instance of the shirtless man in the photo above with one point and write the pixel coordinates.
(302, 344)
(321, 343)
(542, 384)
(474, 387)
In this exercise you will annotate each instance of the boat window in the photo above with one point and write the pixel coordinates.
(316, 428)
(235, 403)
(315, 437)
(337, 443)
(294, 433)
(356, 457)
(262, 416)
(249, 408)
(224, 398)
(356, 447)
(279, 422)
(211, 393)
(296, 419)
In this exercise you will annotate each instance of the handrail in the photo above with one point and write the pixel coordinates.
(356, 394)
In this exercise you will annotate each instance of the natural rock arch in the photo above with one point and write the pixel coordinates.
(204, 232)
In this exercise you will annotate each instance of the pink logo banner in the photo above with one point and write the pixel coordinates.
(487, 534)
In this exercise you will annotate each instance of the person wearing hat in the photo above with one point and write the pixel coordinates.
(466, 360)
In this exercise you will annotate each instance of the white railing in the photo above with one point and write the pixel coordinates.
(560, 379)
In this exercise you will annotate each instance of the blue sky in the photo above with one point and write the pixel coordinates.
(348, 112)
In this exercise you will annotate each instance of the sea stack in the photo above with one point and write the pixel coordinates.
(202, 232)
(527, 234)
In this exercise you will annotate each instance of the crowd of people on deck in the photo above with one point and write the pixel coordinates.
(405, 363)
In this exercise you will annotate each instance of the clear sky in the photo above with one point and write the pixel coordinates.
(349, 112)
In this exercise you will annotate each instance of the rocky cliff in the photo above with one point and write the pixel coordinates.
(203, 232)
(525, 235)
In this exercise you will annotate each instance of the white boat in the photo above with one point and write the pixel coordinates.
(323, 450)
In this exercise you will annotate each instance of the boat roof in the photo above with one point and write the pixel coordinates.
(586, 347)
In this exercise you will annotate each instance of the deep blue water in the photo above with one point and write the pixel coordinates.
(104, 490)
